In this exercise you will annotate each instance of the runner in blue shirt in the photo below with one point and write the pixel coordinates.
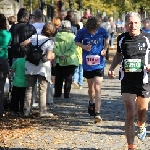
(94, 41)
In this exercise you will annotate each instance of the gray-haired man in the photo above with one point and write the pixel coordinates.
(133, 53)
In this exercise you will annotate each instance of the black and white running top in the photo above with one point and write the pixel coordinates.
(135, 57)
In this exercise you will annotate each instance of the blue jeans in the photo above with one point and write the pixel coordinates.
(78, 75)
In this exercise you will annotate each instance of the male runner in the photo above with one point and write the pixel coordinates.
(91, 39)
(133, 53)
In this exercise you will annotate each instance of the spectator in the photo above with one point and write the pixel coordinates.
(57, 22)
(77, 22)
(78, 74)
(65, 61)
(146, 24)
(38, 24)
(12, 20)
(106, 24)
(118, 26)
(112, 32)
(71, 17)
(19, 86)
(85, 16)
(62, 15)
(37, 17)
(5, 39)
(20, 32)
(42, 72)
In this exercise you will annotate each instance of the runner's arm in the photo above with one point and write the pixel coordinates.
(116, 61)
(79, 44)
(85, 47)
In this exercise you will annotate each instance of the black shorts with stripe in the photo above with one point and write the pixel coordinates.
(142, 90)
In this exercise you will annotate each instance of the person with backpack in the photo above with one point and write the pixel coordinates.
(133, 52)
(39, 70)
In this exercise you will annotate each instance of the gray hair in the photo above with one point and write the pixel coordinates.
(63, 11)
(131, 14)
(38, 13)
(66, 24)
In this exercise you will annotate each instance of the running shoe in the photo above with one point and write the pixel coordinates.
(97, 118)
(91, 109)
(141, 132)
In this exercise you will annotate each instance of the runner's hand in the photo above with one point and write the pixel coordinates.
(103, 52)
(87, 47)
(111, 74)
(148, 67)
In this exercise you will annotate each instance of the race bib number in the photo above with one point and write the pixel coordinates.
(132, 65)
(92, 60)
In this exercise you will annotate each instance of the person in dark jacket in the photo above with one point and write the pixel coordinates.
(20, 32)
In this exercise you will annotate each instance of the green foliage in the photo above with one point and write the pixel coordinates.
(109, 6)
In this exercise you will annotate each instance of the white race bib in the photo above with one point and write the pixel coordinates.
(132, 65)
(92, 59)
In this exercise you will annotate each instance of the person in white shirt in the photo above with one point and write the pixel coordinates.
(42, 72)
(37, 17)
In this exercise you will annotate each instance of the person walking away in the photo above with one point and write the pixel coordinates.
(5, 40)
(42, 72)
(146, 24)
(65, 60)
(91, 39)
(19, 86)
(133, 53)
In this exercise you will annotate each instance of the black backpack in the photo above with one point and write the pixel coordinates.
(34, 53)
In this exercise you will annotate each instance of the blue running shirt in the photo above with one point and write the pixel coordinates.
(97, 42)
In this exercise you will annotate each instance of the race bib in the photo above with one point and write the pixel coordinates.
(92, 60)
(132, 65)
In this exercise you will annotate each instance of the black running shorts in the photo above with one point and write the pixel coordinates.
(93, 73)
(142, 90)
